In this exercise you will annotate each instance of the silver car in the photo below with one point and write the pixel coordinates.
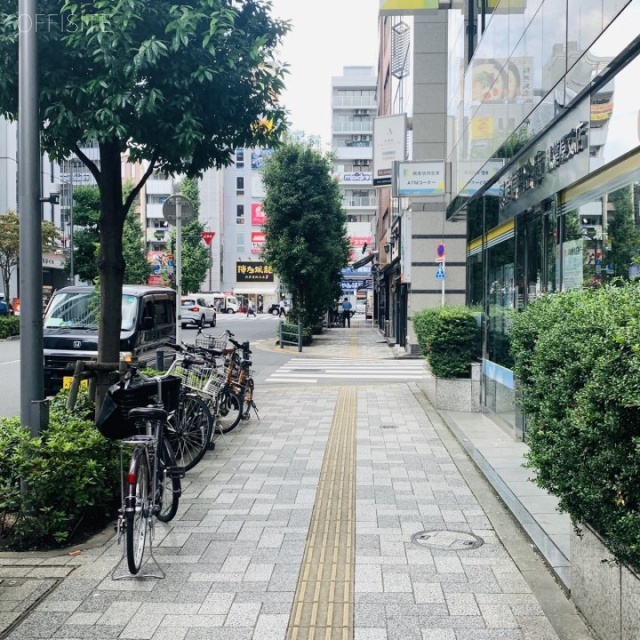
(196, 311)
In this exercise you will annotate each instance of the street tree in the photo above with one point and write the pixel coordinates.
(86, 238)
(10, 246)
(175, 86)
(306, 227)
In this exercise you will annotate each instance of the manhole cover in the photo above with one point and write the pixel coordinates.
(442, 539)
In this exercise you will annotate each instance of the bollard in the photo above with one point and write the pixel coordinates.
(159, 360)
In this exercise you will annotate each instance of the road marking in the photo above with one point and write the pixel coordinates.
(9, 362)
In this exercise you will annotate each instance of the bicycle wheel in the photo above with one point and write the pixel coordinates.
(137, 512)
(189, 430)
(247, 399)
(228, 410)
(168, 488)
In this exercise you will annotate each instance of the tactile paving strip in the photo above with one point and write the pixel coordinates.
(323, 603)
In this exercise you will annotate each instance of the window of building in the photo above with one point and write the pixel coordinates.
(240, 214)
(153, 198)
(239, 185)
(240, 158)
(240, 244)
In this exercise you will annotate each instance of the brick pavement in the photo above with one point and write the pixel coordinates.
(243, 541)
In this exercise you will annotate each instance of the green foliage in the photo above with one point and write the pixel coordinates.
(195, 256)
(49, 485)
(577, 363)
(175, 86)
(10, 246)
(306, 237)
(290, 332)
(86, 238)
(9, 326)
(448, 338)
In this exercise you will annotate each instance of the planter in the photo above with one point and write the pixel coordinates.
(454, 394)
(606, 593)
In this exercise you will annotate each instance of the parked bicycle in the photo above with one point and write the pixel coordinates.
(136, 411)
(209, 380)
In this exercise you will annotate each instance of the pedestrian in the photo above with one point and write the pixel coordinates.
(282, 311)
(346, 313)
(251, 308)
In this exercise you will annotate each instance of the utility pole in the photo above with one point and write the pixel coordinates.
(32, 405)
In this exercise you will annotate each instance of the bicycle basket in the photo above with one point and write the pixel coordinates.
(113, 421)
(194, 377)
(211, 342)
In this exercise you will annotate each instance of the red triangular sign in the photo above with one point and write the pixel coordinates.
(208, 236)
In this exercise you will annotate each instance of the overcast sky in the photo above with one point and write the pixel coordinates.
(325, 37)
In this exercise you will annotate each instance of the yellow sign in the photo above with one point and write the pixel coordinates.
(66, 383)
(396, 7)
(481, 128)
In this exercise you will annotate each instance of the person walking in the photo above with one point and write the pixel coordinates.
(282, 311)
(346, 313)
(251, 308)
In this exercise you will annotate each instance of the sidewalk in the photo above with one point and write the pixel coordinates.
(344, 512)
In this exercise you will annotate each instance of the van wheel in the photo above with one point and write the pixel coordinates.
(213, 322)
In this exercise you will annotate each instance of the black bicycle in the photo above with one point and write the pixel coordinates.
(136, 412)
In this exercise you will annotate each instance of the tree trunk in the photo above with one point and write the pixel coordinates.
(110, 261)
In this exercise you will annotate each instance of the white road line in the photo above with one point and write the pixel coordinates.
(348, 375)
(9, 362)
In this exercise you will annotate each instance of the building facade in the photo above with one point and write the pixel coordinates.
(353, 108)
(545, 162)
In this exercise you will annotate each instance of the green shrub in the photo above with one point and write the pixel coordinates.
(291, 334)
(577, 365)
(53, 484)
(9, 326)
(448, 338)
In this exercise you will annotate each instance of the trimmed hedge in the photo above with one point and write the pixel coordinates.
(448, 338)
(9, 326)
(577, 364)
(51, 485)
(291, 333)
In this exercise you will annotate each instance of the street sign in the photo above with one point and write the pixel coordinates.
(208, 236)
(440, 272)
(440, 253)
(187, 212)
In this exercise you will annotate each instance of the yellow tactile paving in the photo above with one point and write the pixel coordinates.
(353, 344)
(323, 603)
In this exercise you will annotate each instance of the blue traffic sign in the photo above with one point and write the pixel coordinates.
(440, 272)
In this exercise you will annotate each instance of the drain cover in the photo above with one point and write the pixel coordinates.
(443, 539)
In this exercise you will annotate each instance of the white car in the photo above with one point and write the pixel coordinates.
(197, 311)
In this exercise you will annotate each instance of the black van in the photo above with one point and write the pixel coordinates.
(71, 328)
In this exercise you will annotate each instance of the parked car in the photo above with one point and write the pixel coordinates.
(71, 329)
(361, 306)
(196, 311)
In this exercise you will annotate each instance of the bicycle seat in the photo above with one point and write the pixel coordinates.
(147, 413)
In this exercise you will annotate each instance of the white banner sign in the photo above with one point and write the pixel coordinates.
(389, 146)
(419, 179)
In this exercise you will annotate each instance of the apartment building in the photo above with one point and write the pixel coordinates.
(353, 109)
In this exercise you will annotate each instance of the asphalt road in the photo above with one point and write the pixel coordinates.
(259, 329)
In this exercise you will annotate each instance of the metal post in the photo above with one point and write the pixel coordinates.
(178, 271)
(281, 334)
(299, 336)
(71, 266)
(443, 281)
(32, 407)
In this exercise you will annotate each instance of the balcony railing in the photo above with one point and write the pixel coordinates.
(357, 126)
(359, 202)
(366, 102)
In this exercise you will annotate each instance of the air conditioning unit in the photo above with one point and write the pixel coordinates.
(362, 112)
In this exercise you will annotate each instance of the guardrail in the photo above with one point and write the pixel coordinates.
(290, 337)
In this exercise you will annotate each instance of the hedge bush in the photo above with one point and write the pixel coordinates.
(291, 333)
(9, 326)
(577, 365)
(52, 485)
(448, 338)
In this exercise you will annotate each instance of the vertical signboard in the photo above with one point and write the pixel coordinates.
(257, 214)
(389, 146)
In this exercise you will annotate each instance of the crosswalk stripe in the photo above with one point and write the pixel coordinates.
(308, 370)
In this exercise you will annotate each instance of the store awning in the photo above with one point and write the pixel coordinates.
(364, 260)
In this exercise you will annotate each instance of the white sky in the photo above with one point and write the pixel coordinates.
(325, 36)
